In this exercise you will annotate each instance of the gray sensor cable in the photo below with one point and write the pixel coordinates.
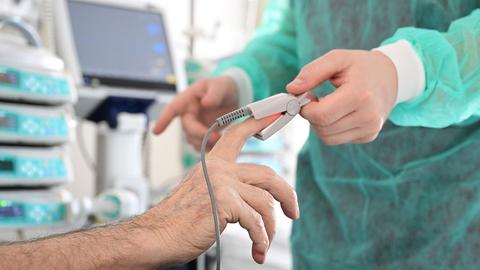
(219, 122)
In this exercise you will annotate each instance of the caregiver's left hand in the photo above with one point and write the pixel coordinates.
(355, 112)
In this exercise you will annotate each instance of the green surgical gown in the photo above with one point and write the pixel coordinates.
(411, 198)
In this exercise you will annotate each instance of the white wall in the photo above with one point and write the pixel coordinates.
(227, 26)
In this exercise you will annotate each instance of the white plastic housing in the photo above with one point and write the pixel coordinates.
(287, 105)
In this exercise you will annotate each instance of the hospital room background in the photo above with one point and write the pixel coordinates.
(75, 150)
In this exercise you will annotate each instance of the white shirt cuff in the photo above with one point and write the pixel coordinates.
(244, 85)
(410, 69)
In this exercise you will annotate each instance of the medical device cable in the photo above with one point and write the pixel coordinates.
(210, 191)
(219, 122)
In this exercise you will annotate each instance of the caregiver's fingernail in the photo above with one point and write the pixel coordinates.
(297, 82)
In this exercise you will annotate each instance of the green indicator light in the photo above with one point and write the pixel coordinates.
(3, 203)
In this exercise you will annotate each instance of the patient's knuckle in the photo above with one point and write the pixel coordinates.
(258, 221)
(268, 172)
(268, 200)
(292, 194)
(224, 193)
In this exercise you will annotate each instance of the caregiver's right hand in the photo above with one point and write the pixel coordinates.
(198, 107)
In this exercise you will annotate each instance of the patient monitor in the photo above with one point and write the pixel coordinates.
(123, 66)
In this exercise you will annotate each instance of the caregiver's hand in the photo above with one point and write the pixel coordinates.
(198, 107)
(366, 91)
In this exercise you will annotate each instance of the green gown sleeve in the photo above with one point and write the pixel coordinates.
(270, 58)
(452, 75)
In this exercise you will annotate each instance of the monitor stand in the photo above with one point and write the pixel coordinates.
(121, 185)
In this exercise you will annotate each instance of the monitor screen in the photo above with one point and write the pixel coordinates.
(7, 166)
(7, 121)
(8, 78)
(121, 47)
(10, 211)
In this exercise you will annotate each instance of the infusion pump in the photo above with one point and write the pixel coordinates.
(20, 209)
(33, 166)
(34, 86)
(32, 74)
(30, 124)
(56, 207)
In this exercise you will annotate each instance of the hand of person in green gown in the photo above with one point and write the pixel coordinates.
(366, 90)
(198, 107)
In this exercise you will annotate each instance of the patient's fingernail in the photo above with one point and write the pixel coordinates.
(261, 258)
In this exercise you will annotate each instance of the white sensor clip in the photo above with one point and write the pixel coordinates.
(286, 105)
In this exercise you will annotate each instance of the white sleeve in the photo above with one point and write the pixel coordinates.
(244, 85)
(410, 69)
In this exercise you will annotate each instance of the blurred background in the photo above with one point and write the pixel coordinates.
(81, 83)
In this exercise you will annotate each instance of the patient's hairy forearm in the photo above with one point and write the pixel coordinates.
(174, 231)
(114, 247)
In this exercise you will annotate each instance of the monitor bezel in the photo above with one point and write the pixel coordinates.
(93, 80)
